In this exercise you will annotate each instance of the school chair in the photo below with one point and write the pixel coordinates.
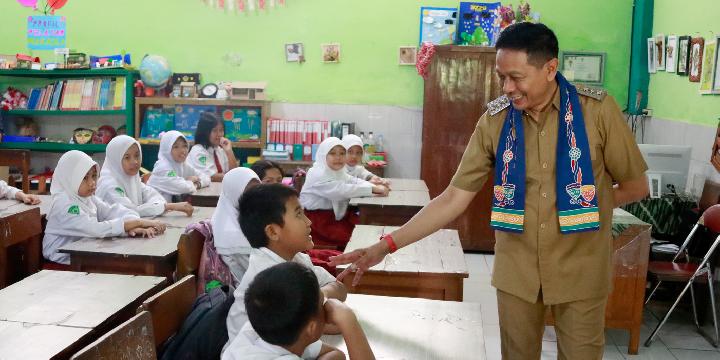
(131, 340)
(21, 160)
(688, 272)
(190, 249)
(169, 308)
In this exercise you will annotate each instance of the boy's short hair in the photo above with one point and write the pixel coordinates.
(261, 206)
(260, 167)
(536, 40)
(280, 302)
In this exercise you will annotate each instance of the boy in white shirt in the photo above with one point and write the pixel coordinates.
(287, 312)
(276, 227)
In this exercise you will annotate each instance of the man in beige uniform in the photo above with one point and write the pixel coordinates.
(539, 266)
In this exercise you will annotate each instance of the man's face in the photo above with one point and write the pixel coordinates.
(525, 84)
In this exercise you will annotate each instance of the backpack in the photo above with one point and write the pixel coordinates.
(204, 332)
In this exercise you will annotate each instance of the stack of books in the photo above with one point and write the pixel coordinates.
(79, 94)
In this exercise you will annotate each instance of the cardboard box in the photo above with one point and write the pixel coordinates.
(248, 91)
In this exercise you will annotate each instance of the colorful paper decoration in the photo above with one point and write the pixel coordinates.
(239, 6)
(46, 32)
(49, 8)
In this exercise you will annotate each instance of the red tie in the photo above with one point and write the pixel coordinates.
(217, 163)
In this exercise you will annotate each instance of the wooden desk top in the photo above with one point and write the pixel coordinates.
(211, 191)
(439, 253)
(9, 207)
(621, 216)
(410, 328)
(176, 219)
(160, 246)
(398, 184)
(75, 299)
(27, 341)
(395, 198)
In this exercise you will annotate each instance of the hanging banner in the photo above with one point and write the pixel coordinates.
(46, 32)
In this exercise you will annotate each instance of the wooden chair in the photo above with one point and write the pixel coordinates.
(170, 307)
(131, 340)
(190, 249)
(21, 160)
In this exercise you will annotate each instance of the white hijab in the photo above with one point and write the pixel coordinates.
(349, 141)
(225, 220)
(320, 173)
(112, 174)
(69, 174)
(165, 160)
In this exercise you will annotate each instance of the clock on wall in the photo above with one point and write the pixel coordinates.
(209, 90)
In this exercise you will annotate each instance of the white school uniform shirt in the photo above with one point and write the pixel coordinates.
(73, 217)
(203, 160)
(117, 187)
(261, 259)
(357, 171)
(168, 175)
(326, 189)
(248, 345)
(227, 235)
(7, 191)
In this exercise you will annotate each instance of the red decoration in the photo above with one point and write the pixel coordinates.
(13, 99)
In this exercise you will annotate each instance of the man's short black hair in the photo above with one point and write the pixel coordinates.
(260, 167)
(208, 121)
(261, 206)
(280, 302)
(537, 40)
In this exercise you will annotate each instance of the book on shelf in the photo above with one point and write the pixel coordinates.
(105, 93)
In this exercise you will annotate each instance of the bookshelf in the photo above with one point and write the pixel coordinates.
(143, 104)
(27, 79)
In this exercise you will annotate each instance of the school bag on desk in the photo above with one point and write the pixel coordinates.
(204, 332)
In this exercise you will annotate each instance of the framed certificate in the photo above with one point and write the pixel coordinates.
(583, 67)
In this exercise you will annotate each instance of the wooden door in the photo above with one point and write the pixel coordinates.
(461, 82)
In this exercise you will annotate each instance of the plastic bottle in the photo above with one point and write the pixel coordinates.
(379, 146)
(371, 143)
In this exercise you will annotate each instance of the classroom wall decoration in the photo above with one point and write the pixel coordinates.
(408, 55)
(707, 74)
(716, 66)
(476, 23)
(48, 8)
(660, 51)
(696, 50)
(437, 25)
(683, 55)
(241, 6)
(671, 53)
(294, 52)
(651, 55)
(330, 53)
(46, 32)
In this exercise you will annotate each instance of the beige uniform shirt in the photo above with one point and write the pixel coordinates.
(566, 267)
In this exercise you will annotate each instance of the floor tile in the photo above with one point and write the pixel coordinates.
(695, 354)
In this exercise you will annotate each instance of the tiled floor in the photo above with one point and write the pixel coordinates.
(677, 340)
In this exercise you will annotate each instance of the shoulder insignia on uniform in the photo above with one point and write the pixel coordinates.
(202, 159)
(171, 173)
(498, 105)
(595, 93)
(120, 191)
(74, 209)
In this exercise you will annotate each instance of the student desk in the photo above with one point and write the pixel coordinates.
(52, 314)
(20, 224)
(395, 209)
(432, 268)
(126, 255)
(176, 219)
(398, 184)
(207, 196)
(406, 328)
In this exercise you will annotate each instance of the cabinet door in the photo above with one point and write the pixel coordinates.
(462, 81)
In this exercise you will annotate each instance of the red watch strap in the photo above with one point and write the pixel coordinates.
(391, 243)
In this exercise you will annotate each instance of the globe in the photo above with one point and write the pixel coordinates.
(154, 71)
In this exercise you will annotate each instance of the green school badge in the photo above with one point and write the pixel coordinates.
(171, 173)
(74, 209)
(120, 191)
(202, 159)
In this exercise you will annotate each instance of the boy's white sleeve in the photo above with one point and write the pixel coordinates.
(153, 203)
(323, 276)
(7, 191)
(69, 219)
(365, 174)
(204, 178)
(174, 185)
(312, 351)
(201, 161)
(339, 190)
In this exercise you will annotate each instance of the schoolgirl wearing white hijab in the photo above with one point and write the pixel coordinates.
(212, 153)
(120, 183)
(354, 147)
(327, 192)
(76, 212)
(171, 175)
(230, 242)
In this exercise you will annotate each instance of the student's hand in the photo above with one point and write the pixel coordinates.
(29, 199)
(337, 313)
(381, 190)
(225, 144)
(360, 260)
(185, 207)
(193, 178)
(143, 232)
(375, 180)
(158, 226)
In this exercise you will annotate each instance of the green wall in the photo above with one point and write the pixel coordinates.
(673, 97)
(195, 38)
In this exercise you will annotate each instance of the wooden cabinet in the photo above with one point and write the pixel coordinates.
(462, 81)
